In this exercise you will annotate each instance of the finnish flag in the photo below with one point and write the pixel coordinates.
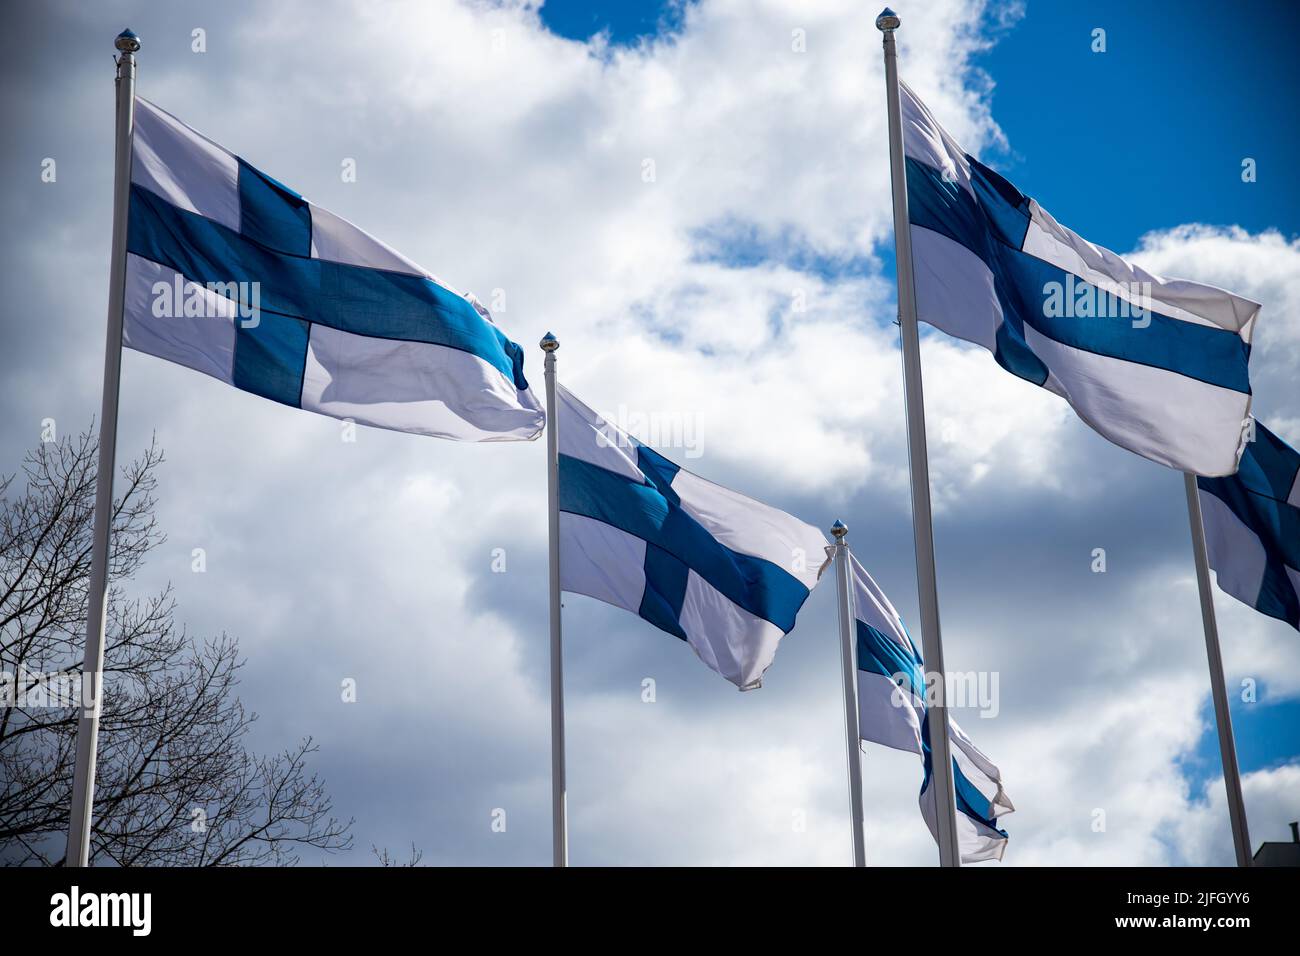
(1252, 527)
(722, 572)
(1157, 366)
(892, 712)
(235, 275)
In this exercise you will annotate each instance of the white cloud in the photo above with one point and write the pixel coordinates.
(1263, 266)
(506, 158)
(1203, 834)
(476, 132)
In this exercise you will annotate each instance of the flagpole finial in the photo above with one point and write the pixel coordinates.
(549, 343)
(127, 41)
(888, 20)
(839, 529)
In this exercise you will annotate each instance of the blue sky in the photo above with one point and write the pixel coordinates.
(1203, 94)
(1117, 180)
(1152, 132)
(624, 22)
(504, 148)
(1205, 89)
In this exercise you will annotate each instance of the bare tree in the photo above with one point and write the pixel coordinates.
(176, 784)
(388, 859)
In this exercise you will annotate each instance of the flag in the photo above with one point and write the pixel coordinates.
(1252, 527)
(1157, 366)
(235, 275)
(725, 573)
(892, 712)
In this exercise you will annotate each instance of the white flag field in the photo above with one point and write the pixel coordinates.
(1158, 366)
(222, 269)
(235, 275)
(892, 712)
(714, 568)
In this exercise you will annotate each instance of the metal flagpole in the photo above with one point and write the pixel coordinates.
(849, 668)
(1218, 689)
(922, 529)
(559, 810)
(83, 779)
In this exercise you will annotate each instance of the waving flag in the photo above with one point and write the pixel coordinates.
(1252, 527)
(1157, 366)
(233, 274)
(725, 573)
(892, 712)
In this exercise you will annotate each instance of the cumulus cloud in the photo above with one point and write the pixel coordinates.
(703, 219)
(1272, 797)
(1264, 266)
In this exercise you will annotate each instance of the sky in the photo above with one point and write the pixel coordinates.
(504, 146)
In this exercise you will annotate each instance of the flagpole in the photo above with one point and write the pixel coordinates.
(83, 777)
(1218, 688)
(849, 670)
(922, 527)
(559, 809)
